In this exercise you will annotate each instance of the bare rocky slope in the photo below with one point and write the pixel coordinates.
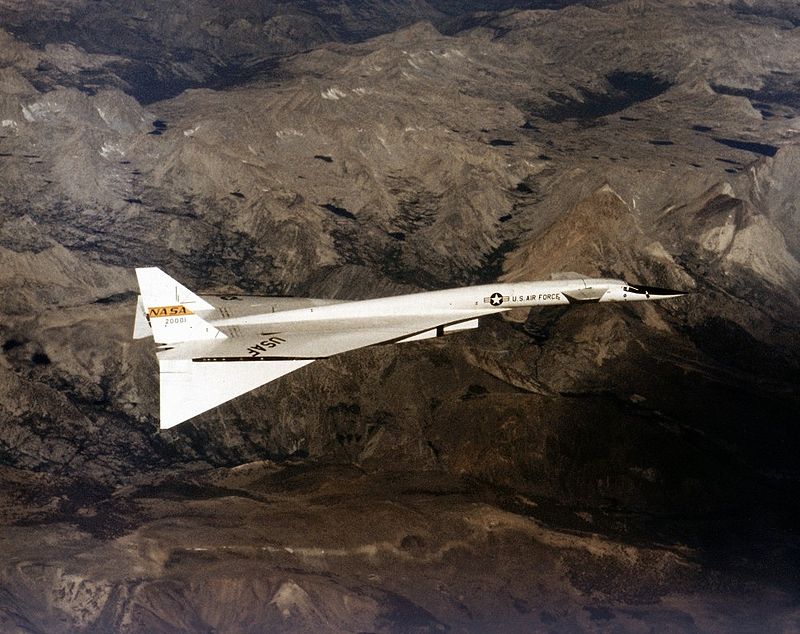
(598, 468)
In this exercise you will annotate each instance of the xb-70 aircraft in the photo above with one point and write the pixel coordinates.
(212, 349)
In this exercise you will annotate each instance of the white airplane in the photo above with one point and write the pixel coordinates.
(212, 349)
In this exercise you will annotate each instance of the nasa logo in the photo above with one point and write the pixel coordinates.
(168, 311)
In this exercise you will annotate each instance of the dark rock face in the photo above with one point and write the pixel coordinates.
(601, 467)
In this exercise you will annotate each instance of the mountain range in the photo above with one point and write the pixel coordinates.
(601, 468)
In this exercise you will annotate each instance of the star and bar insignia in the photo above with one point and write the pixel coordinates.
(495, 299)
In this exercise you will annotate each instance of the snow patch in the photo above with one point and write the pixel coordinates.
(40, 110)
(287, 133)
(333, 94)
(191, 131)
(9, 123)
(108, 149)
(102, 114)
(448, 53)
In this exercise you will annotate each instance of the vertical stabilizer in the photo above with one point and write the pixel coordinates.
(171, 308)
(159, 289)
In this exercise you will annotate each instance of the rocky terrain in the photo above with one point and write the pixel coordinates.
(602, 468)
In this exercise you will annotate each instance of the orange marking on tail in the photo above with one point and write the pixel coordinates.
(168, 311)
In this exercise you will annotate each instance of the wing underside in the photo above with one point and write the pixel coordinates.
(199, 375)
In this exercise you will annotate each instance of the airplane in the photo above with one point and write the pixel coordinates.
(211, 349)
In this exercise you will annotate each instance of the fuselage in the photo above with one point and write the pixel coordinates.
(488, 299)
